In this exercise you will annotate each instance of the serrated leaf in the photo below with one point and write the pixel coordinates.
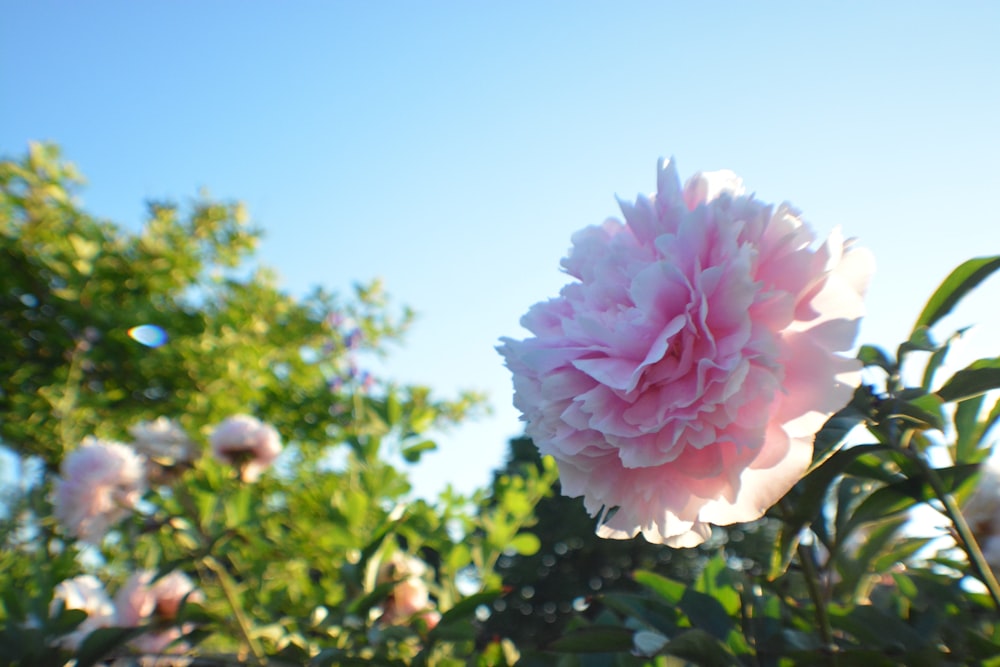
(959, 282)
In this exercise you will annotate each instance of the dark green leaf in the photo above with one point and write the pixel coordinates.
(594, 639)
(967, 429)
(706, 613)
(900, 496)
(838, 426)
(870, 355)
(700, 648)
(977, 378)
(807, 501)
(335, 657)
(920, 341)
(467, 607)
(877, 628)
(938, 358)
(923, 412)
(959, 282)
(101, 642)
(361, 605)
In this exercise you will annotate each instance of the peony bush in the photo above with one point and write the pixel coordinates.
(697, 383)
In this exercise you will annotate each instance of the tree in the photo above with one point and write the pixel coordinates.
(104, 329)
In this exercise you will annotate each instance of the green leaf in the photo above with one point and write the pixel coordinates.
(967, 429)
(807, 501)
(525, 544)
(871, 355)
(102, 641)
(459, 557)
(668, 589)
(924, 412)
(938, 358)
(594, 639)
(838, 426)
(920, 341)
(700, 648)
(900, 496)
(360, 606)
(959, 282)
(706, 613)
(412, 453)
(977, 378)
(466, 608)
(854, 565)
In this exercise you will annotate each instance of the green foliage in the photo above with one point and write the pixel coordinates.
(290, 566)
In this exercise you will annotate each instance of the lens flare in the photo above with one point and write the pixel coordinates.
(149, 335)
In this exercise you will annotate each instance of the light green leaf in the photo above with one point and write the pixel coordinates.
(959, 282)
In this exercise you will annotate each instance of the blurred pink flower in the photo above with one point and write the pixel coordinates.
(409, 596)
(681, 380)
(98, 485)
(163, 440)
(86, 593)
(248, 443)
(142, 601)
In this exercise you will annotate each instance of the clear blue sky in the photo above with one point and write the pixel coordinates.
(453, 148)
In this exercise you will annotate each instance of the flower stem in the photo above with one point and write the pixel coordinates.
(822, 618)
(228, 589)
(967, 539)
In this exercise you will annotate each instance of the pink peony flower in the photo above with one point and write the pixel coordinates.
(409, 596)
(98, 485)
(248, 443)
(681, 380)
(163, 440)
(141, 601)
(84, 592)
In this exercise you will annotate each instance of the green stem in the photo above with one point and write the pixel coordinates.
(967, 539)
(822, 618)
(229, 590)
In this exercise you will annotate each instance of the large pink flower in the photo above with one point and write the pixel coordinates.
(98, 485)
(248, 443)
(681, 380)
